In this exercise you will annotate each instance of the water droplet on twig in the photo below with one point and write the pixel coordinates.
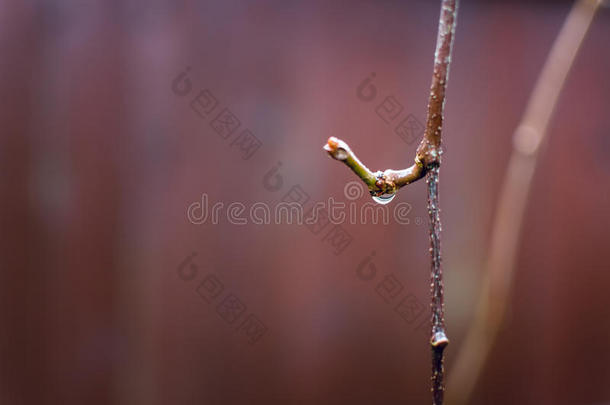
(384, 199)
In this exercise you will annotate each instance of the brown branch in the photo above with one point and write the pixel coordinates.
(427, 161)
(429, 151)
(507, 224)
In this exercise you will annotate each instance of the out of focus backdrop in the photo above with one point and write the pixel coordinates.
(124, 122)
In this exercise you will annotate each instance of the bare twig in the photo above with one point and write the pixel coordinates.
(508, 220)
(438, 340)
(430, 152)
(427, 161)
(379, 183)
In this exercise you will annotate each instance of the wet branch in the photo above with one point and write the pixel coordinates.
(427, 162)
(379, 183)
(430, 152)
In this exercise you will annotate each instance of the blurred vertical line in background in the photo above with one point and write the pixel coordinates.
(510, 211)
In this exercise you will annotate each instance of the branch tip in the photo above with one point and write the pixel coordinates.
(337, 149)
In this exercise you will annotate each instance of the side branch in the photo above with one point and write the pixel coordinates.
(379, 183)
(429, 151)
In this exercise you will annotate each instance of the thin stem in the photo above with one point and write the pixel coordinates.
(507, 224)
(438, 340)
(430, 152)
(379, 183)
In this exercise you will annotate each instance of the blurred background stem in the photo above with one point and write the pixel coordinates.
(500, 263)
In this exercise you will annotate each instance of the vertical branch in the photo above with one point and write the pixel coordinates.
(438, 339)
(429, 151)
(508, 220)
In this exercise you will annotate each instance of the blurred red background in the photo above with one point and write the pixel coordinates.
(101, 159)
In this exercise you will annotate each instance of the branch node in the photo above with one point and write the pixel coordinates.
(439, 340)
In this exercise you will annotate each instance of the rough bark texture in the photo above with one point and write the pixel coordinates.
(429, 152)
